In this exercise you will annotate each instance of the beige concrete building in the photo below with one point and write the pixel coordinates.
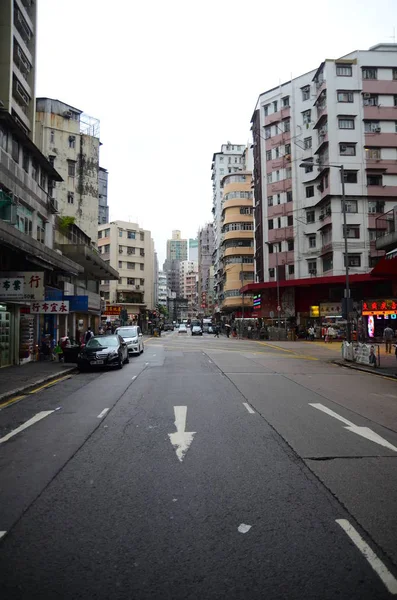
(188, 278)
(130, 250)
(70, 141)
(18, 61)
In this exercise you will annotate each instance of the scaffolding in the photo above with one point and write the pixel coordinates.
(89, 125)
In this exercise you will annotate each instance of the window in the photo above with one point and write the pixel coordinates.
(287, 125)
(374, 179)
(307, 117)
(312, 267)
(285, 101)
(120, 264)
(270, 224)
(278, 199)
(106, 232)
(310, 216)
(306, 92)
(290, 245)
(395, 99)
(271, 273)
(373, 153)
(351, 206)
(120, 233)
(40, 230)
(266, 110)
(142, 236)
(370, 73)
(43, 180)
(221, 159)
(142, 281)
(376, 206)
(312, 241)
(394, 74)
(277, 175)
(130, 265)
(71, 168)
(344, 70)
(235, 159)
(229, 160)
(372, 127)
(275, 106)
(72, 141)
(345, 123)
(372, 235)
(328, 262)
(142, 267)
(271, 249)
(290, 220)
(347, 149)
(350, 176)
(307, 143)
(131, 235)
(288, 173)
(25, 161)
(308, 168)
(269, 177)
(270, 200)
(289, 196)
(268, 155)
(130, 251)
(105, 248)
(52, 137)
(130, 281)
(291, 269)
(278, 222)
(310, 191)
(51, 160)
(15, 150)
(142, 252)
(370, 99)
(353, 260)
(277, 151)
(70, 198)
(287, 148)
(268, 132)
(345, 96)
(352, 232)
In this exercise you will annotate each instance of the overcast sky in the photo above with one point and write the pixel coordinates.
(170, 81)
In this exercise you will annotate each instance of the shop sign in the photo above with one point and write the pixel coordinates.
(314, 311)
(112, 311)
(12, 288)
(257, 300)
(33, 284)
(58, 307)
(331, 309)
(78, 303)
(379, 307)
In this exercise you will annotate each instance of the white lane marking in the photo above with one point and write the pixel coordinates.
(32, 421)
(2, 534)
(210, 361)
(243, 528)
(380, 569)
(134, 378)
(153, 355)
(247, 406)
(103, 413)
(365, 432)
(146, 364)
(182, 439)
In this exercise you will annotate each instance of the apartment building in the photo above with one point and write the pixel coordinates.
(229, 160)
(70, 140)
(237, 263)
(162, 288)
(103, 209)
(130, 250)
(342, 113)
(193, 249)
(188, 277)
(18, 61)
(206, 247)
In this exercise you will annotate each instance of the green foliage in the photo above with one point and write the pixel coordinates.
(65, 223)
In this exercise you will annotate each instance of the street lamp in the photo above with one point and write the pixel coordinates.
(341, 168)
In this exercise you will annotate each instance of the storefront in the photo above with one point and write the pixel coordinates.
(377, 314)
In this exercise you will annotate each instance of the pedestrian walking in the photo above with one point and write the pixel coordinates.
(216, 331)
(88, 335)
(388, 335)
(311, 333)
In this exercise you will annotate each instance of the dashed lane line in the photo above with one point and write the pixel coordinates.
(41, 415)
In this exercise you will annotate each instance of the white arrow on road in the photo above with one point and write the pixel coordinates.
(182, 439)
(363, 431)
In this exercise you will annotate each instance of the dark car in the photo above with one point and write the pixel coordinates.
(103, 351)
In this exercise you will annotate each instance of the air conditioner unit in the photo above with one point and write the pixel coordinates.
(137, 287)
(366, 96)
(323, 131)
(67, 114)
(343, 148)
(377, 130)
(322, 217)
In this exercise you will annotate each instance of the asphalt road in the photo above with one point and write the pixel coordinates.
(206, 468)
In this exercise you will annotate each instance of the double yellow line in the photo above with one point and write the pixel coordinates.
(34, 391)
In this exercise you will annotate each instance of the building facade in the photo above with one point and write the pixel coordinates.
(162, 289)
(206, 247)
(70, 140)
(103, 209)
(130, 250)
(237, 263)
(193, 249)
(188, 278)
(177, 248)
(18, 61)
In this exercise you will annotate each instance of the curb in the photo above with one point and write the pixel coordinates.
(32, 384)
(377, 371)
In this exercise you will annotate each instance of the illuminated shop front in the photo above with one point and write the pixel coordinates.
(379, 314)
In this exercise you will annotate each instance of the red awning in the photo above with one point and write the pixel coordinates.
(386, 267)
(311, 281)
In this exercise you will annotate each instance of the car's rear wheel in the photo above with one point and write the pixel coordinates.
(127, 360)
(120, 363)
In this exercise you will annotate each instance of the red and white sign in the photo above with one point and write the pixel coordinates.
(50, 307)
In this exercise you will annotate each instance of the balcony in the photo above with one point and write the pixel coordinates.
(378, 86)
(280, 210)
(388, 191)
(386, 231)
(278, 235)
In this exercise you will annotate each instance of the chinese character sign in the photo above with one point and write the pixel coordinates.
(386, 306)
(12, 287)
(49, 307)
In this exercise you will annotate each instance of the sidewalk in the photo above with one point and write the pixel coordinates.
(17, 379)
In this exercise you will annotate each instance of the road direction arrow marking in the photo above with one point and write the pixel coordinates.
(244, 528)
(32, 421)
(375, 562)
(2, 534)
(182, 439)
(365, 432)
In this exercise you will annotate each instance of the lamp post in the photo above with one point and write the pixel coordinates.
(341, 168)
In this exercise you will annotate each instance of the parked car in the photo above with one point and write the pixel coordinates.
(103, 351)
(168, 327)
(196, 330)
(133, 337)
(182, 328)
